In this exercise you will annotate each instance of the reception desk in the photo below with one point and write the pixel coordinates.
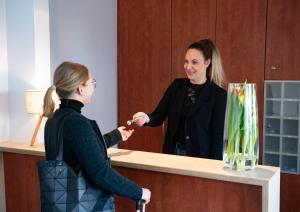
(177, 183)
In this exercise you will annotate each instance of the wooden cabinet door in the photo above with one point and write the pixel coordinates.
(283, 40)
(192, 20)
(240, 36)
(282, 63)
(144, 65)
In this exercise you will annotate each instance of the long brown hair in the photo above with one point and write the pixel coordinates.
(67, 78)
(210, 51)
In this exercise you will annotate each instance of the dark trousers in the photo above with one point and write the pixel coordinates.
(180, 150)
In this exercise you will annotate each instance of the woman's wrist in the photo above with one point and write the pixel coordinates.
(147, 119)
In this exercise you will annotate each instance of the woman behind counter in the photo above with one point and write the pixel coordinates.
(195, 106)
(84, 147)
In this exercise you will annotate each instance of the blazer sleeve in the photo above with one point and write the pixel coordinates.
(218, 121)
(94, 161)
(112, 138)
(161, 111)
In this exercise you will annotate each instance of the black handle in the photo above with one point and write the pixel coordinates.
(140, 204)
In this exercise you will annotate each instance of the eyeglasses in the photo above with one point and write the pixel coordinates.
(93, 82)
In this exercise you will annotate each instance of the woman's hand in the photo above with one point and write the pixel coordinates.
(125, 133)
(140, 118)
(146, 195)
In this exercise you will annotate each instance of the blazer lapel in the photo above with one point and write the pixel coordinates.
(203, 98)
(180, 96)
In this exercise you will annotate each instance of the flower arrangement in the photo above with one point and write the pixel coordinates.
(241, 127)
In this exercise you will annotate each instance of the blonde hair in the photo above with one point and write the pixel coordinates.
(210, 51)
(67, 78)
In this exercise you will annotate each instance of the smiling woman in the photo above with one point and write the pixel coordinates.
(195, 66)
(195, 106)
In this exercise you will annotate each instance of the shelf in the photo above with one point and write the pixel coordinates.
(271, 159)
(272, 144)
(273, 135)
(272, 99)
(290, 100)
(273, 117)
(271, 152)
(289, 163)
(290, 136)
(282, 117)
(282, 99)
(289, 154)
(290, 118)
(281, 125)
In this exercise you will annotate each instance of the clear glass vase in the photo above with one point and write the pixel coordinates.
(241, 127)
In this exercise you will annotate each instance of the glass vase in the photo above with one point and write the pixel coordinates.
(241, 127)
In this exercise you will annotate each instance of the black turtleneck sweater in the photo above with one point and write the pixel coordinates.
(71, 103)
(84, 148)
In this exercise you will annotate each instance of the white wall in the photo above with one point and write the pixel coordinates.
(86, 32)
(20, 53)
(4, 112)
(80, 31)
(26, 48)
(42, 43)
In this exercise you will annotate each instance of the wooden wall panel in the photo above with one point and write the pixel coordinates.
(289, 193)
(240, 36)
(179, 193)
(22, 189)
(170, 192)
(283, 40)
(192, 20)
(144, 65)
(251, 35)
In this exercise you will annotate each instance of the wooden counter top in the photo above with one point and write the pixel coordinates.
(266, 176)
(189, 166)
(22, 148)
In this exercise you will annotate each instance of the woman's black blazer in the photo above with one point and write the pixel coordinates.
(204, 124)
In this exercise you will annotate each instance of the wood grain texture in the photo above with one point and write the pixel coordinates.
(240, 36)
(22, 189)
(192, 20)
(144, 65)
(180, 193)
(283, 40)
(168, 190)
(289, 193)
(283, 52)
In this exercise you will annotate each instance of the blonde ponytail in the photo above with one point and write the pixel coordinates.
(67, 77)
(216, 71)
(49, 104)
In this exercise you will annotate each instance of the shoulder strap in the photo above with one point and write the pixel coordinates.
(60, 127)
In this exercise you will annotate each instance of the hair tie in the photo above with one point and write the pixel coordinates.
(53, 87)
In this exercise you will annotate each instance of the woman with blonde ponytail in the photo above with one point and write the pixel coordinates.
(49, 104)
(195, 106)
(84, 147)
